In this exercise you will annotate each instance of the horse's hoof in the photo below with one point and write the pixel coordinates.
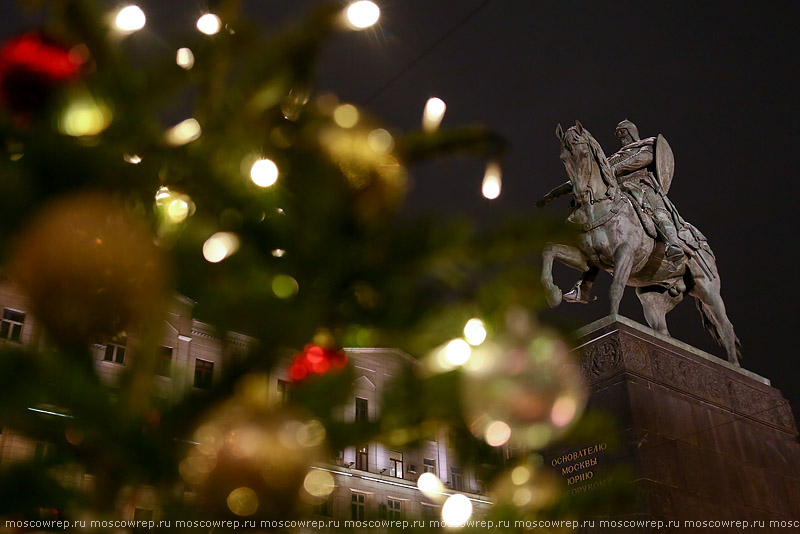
(554, 297)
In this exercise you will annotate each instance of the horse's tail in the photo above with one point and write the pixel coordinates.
(708, 324)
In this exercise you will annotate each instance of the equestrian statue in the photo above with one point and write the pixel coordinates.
(629, 228)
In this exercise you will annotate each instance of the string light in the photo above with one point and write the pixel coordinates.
(456, 511)
(209, 24)
(361, 15)
(184, 58)
(264, 172)
(130, 19)
(492, 181)
(219, 246)
(457, 352)
(475, 332)
(433, 114)
(184, 132)
(133, 159)
(345, 115)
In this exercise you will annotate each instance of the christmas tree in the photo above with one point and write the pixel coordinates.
(217, 171)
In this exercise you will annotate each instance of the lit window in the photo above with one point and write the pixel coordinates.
(115, 350)
(429, 465)
(396, 464)
(284, 393)
(395, 508)
(11, 325)
(362, 412)
(203, 373)
(358, 506)
(164, 361)
(456, 480)
(362, 458)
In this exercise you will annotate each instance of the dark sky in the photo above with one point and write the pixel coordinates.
(718, 79)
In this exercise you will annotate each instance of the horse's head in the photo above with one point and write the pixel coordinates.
(587, 167)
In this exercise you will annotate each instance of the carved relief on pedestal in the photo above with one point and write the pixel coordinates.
(636, 355)
(600, 358)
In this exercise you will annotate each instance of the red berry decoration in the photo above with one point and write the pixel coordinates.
(30, 66)
(316, 360)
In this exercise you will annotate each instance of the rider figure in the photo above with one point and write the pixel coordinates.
(630, 166)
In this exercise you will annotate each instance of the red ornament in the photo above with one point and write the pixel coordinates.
(30, 66)
(316, 360)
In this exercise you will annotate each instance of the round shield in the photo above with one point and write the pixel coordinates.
(665, 163)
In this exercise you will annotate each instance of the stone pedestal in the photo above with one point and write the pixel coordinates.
(705, 440)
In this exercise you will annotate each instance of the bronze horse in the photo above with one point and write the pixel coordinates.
(612, 238)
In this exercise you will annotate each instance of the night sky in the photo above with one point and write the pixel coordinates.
(718, 79)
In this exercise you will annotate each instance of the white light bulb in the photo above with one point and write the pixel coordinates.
(264, 172)
(362, 14)
(219, 246)
(492, 181)
(475, 332)
(130, 18)
(433, 114)
(457, 352)
(456, 511)
(184, 58)
(209, 24)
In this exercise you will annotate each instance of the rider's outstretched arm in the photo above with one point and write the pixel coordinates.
(562, 189)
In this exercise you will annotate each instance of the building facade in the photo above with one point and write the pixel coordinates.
(372, 481)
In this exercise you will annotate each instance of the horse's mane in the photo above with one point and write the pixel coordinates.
(600, 157)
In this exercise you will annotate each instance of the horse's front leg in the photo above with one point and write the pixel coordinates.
(623, 262)
(570, 256)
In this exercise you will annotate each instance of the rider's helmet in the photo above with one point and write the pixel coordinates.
(631, 128)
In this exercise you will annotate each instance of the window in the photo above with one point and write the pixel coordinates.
(325, 507)
(115, 350)
(11, 325)
(456, 480)
(284, 393)
(203, 373)
(164, 361)
(362, 458)
(362, 413)
(429, 465)
(430, 512)
(358, 506)
(396, 464)
(395, 508)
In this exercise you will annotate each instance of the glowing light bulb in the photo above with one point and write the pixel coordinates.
(362, 14)
(264, 173)
(84, 117)
(133, 159)
(475, 332)
(209, 24)
(433, 114)
(184, 132)
(456, 511)
(345, 115)
(184, 58)
(130, 19)
(457, 352)
(380, 141)
(163, 194)
(492, 181)
(219, 246)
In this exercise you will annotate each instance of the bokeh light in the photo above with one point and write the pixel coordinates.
(492, 181)
(184, 132)
(243, 501)
(345, 115)
(284, 286)
(430, 485)
(264, 172)
(219, 246)
(319, 483)
(458, 351)
(130, 19)
(475, 332)
(433, 114)
(184, 58)
(178, 210)
(497, 433)
(380, 141)
(133, 159)
(84, 117)
(209, 24)
(362, 14)
(456, 511)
